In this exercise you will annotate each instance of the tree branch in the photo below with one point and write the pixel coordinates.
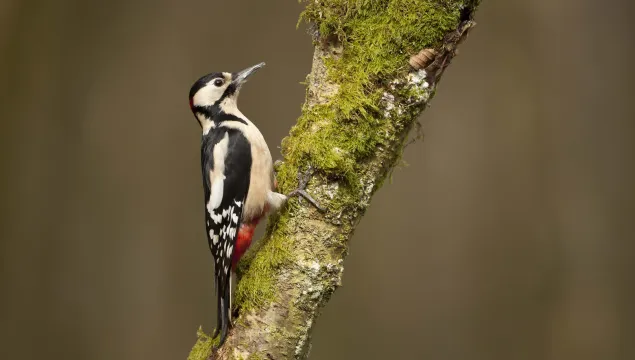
(362, 101)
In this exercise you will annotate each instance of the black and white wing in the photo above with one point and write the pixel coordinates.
(226, 163)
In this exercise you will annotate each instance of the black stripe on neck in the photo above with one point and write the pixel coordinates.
(228, 117)
(217, 115)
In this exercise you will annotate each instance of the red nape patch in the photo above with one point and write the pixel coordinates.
(191, 104)
(243, 240)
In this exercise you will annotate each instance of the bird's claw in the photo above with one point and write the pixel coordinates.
(303, 181)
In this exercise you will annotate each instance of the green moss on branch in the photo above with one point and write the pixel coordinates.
(377, 38)
(203, 347)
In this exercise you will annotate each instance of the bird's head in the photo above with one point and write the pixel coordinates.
(217, 93)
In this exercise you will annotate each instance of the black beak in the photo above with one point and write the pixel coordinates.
(240, 78)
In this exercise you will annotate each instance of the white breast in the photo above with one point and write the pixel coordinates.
(261, 181)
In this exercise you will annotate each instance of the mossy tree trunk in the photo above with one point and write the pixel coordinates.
(363, 99)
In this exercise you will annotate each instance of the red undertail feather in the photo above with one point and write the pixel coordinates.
(243, 240)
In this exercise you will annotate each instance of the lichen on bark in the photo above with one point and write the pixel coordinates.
(362, 100)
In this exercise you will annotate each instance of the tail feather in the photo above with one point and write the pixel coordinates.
(218, 310)
(223, 318)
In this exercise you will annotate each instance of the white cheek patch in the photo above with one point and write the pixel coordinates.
(208, 95)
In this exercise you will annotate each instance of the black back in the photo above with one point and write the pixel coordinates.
(235, 189)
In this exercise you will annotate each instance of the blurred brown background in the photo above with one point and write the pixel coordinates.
(512, 228)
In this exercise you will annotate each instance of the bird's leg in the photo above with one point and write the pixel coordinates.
(303, 180)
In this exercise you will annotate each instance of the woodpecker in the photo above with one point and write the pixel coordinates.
(238, 179)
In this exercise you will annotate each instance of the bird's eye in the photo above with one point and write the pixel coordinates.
(218, 82)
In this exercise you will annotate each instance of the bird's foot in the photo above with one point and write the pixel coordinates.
(303, 180)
